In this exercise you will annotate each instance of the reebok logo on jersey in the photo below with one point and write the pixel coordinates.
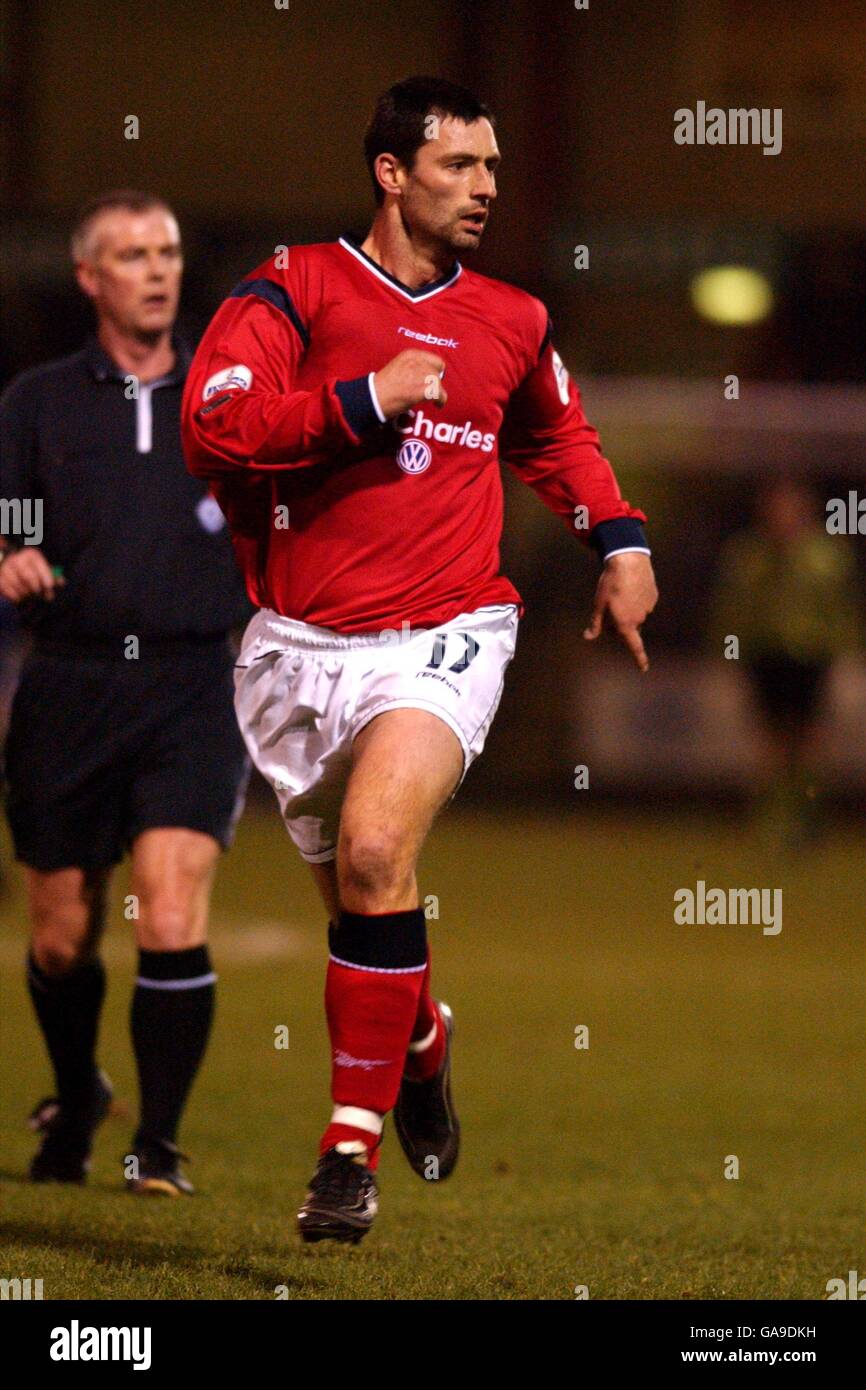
(237, 378)
(465, 435)
(429, 338)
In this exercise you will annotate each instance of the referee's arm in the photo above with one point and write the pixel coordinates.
(24, 571)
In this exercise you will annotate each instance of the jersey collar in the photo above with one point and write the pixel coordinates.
(350, 244)
(104, 368)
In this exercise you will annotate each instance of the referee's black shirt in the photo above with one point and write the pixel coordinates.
(143, 547)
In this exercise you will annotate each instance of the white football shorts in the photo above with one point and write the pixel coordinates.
(302, 693)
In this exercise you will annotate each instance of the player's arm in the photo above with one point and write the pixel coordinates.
(548, 442)
(24, 570)
(242, 407)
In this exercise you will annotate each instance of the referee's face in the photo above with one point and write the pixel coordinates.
(132, 269)
(447, 195)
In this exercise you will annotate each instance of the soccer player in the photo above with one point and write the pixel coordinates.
(122, 733)
(350, 404)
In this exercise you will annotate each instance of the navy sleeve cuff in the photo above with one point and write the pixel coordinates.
(622, 533)
(357, 401)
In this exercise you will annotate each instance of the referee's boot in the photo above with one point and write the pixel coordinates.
(342, 1200)
(424, 1116)
(67, 1140)
(153, 1170)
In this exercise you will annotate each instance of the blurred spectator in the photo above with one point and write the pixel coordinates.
(787, 590)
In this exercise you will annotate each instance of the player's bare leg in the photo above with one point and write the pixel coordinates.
(405, 765)
(67, 986)
(172, 1008)
(325, 876)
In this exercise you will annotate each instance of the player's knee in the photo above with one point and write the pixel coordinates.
(66, 921)
(369, 864)
(168, 924)
(58, 955)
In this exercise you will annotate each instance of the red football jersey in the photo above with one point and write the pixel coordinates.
(356, 524)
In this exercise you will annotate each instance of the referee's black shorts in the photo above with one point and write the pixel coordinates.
(101, 748)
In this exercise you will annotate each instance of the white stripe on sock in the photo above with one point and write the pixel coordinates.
(380, 969)
(359, 1119)
(195, 982)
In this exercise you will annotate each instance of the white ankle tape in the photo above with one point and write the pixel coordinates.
(353, 1115)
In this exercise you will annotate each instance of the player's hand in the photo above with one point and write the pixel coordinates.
(409, 378)
(626, 594)
(27, 574)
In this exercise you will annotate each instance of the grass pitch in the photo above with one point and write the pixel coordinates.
(601, 1167)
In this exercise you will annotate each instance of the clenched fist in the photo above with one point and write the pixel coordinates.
(26, 573)
(409, 378)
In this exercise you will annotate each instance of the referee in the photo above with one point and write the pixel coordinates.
(122, 733)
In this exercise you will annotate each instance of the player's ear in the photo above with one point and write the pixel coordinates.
(389, 172)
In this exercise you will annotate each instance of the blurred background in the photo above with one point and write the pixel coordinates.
(250, 123)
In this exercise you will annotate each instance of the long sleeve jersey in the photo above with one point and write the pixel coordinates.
(346, 520)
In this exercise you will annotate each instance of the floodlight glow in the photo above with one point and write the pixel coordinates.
(732, 294)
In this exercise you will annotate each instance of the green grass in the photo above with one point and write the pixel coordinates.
(601, 1167)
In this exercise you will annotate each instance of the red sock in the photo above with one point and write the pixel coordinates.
(375, 972)
(427, 1012)
(429, 1031)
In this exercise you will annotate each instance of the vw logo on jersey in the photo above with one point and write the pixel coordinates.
(414, 456)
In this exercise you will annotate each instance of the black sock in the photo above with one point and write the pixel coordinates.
(68, 1008)
(172, 1009)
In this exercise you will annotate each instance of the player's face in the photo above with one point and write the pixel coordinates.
(132, 270)
(448, 192)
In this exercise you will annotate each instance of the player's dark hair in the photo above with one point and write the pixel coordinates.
(398, 125)
(130, 199)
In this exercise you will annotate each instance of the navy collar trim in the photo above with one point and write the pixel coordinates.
(351, 245)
